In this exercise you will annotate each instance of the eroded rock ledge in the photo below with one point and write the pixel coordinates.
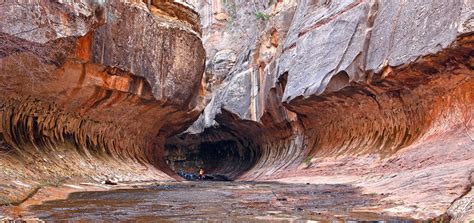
(373, 93)
(90, 90)
(377, 94)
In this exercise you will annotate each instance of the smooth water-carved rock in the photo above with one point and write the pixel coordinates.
(375, 93)
(92, 89)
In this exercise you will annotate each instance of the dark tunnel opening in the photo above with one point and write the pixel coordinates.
(221, 155)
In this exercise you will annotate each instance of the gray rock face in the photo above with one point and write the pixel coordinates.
(323, 52)
(46, 30)
(41, 22)
(235, 97)
(467, 17)
(404, 31)
(400, 33)
(222, 64)
(238, 95)
(328, 45)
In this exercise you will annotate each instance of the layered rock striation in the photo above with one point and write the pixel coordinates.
(378, 94)
(90, 90)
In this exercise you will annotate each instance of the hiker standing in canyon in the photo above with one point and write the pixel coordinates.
(201, 173)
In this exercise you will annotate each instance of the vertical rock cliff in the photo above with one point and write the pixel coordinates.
(375, 93)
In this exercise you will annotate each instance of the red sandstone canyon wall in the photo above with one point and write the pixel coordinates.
(375, 93)
(90, 90)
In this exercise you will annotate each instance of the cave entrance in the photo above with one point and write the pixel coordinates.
(221, 158)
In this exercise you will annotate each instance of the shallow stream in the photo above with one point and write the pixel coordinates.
(217, 201)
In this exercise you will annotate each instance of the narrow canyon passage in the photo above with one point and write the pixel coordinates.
(293, 110)
(221, 154)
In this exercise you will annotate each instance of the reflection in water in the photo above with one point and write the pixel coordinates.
(216, 201)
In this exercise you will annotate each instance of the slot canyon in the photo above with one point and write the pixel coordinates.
(296, 110)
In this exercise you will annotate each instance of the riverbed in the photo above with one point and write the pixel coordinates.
(216, 201)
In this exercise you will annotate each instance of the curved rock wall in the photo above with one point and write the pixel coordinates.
(374, 93)
(91, 89)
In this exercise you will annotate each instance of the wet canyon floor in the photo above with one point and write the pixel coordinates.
(216, 201)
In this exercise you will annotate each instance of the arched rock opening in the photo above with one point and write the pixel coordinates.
(220, 153)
